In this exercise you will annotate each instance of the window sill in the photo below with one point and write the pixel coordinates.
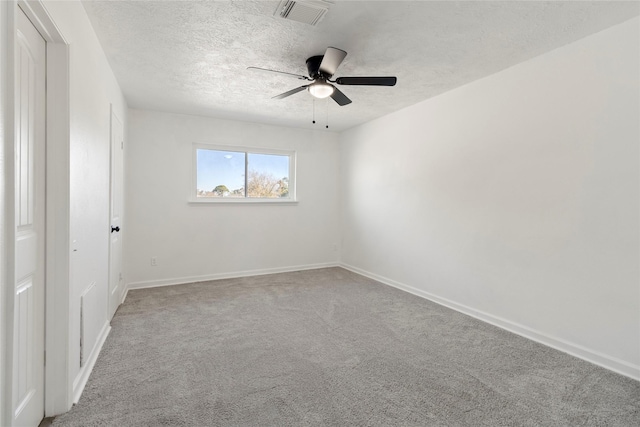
(232, 201)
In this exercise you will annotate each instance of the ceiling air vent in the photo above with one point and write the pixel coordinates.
(306, 11)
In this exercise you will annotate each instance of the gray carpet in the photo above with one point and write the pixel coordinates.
(331, 348)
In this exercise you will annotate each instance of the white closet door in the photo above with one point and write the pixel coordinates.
(28, 338)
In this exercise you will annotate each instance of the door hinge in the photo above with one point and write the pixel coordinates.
(45, 358)
(122, 145)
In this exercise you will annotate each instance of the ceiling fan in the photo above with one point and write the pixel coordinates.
(321, 68)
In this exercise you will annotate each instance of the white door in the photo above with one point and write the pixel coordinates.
(28, 333)
(115, 248)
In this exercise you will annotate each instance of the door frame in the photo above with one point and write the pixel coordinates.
(57, 391)
(111, 309)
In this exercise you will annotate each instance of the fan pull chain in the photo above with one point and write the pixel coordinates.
(314, 111)
(327, 126)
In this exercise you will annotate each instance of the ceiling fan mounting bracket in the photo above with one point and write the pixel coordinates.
(313, 67)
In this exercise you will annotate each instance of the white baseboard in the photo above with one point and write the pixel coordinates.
(230, 275)
(124, 295)
(85, 371)
(595, 357)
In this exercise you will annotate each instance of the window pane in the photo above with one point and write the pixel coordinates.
(268, 176)
(219, 173)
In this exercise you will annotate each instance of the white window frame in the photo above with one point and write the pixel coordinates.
(247, 150)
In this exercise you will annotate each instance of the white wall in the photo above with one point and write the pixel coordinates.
(196, 241)
(93, 89)
(514, 198)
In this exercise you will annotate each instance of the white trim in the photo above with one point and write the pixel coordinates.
(243, 149)
(231, 275)
(57, 372)
(595, 357)
(112, 115)
(240, 200)
(124, 295)
(83, 376)
(40, 18)
(7, 36)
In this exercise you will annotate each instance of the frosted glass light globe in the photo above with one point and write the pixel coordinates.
(320, 89)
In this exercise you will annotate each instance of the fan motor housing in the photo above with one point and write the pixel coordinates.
(313, 67)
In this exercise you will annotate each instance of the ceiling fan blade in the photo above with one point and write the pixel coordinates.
(340, 97)
(265, 70)
(290, 92)
(367, 81)
(333, 57)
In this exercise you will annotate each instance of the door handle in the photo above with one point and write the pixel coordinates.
(116, 229)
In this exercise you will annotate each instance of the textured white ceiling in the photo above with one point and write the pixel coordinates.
(191, 56)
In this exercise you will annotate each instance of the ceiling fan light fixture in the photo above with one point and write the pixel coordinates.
(321, 68)
(321, 89)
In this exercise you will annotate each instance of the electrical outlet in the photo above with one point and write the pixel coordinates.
(154, 261)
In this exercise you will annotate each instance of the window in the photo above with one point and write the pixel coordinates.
(237, 174)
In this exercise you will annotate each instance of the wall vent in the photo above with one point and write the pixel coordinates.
(306, 11)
